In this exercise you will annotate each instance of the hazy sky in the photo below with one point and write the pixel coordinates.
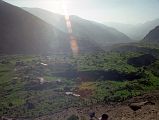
(123, 11)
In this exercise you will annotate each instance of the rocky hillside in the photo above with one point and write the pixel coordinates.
(152, 36)
(147, 109)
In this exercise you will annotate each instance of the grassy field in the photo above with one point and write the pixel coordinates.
(31, 89)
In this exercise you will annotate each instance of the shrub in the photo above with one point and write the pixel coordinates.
(73, 117)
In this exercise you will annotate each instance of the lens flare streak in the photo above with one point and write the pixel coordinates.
(73, 40)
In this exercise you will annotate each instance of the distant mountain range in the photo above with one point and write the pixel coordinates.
(33, 31)
(148, 45)
(82, 29)
(136, 32)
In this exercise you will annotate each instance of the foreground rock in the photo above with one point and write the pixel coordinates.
(137, 106)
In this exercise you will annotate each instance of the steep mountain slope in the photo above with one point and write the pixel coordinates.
(54, 19)
(152, 36)
(21, 32)
(97, 32)
(83, 29)
(136, 32)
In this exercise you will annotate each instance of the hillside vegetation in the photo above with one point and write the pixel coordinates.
(39, 85)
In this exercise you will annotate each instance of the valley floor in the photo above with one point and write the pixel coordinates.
(57, 87)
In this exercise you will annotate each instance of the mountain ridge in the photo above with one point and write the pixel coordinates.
(136, 32)
(24, 33)
(83, 29)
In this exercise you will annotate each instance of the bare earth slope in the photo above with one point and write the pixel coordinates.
(120, 111)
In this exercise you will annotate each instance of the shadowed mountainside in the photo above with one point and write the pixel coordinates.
(23, 33)
(152, 36)
(82, 29)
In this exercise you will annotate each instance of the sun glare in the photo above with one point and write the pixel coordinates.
(73, 40)
(65, 7)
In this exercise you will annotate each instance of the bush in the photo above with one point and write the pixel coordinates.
(73, 117)
(145, 82)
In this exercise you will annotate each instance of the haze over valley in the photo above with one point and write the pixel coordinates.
(78, 60)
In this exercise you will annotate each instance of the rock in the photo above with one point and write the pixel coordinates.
(19, 63)
(30, 106)
(43, 64)
(137, 106)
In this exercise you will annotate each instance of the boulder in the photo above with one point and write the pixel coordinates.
(137, 106)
